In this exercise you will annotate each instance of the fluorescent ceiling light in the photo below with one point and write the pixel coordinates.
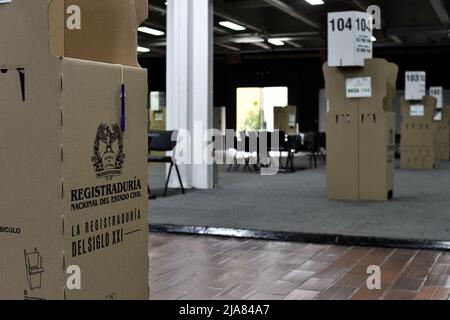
(151, 31)
(231, 25)
(143, 50)
(248, 40)
(276, 42)
(315, 2)
(374, 39)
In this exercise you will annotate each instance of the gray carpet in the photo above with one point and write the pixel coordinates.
(297, 203)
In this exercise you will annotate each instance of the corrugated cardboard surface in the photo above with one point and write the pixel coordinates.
(30, 166)
(108, 30)
(377, 133)
(360, 134)
(281, 119)
(418, 136)
(48, 153)
(442, 136)
(120, 266)
(158, 119)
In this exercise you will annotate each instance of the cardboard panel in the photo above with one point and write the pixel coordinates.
(30, 185)
(158, 119)
(418, 135)
(108, 30)
(342, 138)
(376, 156)
(442, 135)
(30, 169)
(118, 263)
(24, 30)
(342, 155)
(49, 106)
(285, 119)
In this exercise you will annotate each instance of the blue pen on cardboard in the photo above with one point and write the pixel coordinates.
(123, 111)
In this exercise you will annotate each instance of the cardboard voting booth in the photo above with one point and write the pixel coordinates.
(360, 131)
(74, 151)
(418, 134)
(442, 134)
(285, 119)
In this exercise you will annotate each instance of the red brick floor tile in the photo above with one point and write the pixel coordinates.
(298, 276)
(266, 297)
(365, 294)
(202, 268)
(441, 268)
(337, 293)
(408, 284)
(316, 284)
(313, 265)
(399, 295)
(351, 281)
(302, 295)
(438, 281)
(331, 273)
(420, 272)
(281, 287)
(433, 293)
(444, 258)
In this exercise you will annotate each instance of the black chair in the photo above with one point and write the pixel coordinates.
(322, 145)
(311, 144)
(264, 148)
(253, 148)
(242, 147)
(164, 141)
(285, 146)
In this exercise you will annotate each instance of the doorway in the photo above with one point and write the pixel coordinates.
(255, 107)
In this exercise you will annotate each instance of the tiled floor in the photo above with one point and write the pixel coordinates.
(202, 268)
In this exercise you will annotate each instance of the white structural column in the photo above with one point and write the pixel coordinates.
(189, 82)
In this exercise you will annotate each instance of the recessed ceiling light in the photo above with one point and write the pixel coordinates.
(151, 31)
(315, 2)
(276, 42)
(143, 49)
(231, 25)
(248, 40)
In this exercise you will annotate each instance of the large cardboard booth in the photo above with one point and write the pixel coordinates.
(442, 134)
(74, 152)
(285, 119)
(360, 130)
(418, 134)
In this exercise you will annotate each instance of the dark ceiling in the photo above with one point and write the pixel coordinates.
(405, 23)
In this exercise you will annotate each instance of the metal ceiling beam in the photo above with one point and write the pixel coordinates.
(294, 12)
(158, 43)
(261, 45)
(416, 30)
(226, 46)
(158, 9)
(218, 30)
(396, 39)
(360, 5)
(233, 18)
(291, 36)
(440, 10)
(298, 35)
(294, 44)
(153, 25)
